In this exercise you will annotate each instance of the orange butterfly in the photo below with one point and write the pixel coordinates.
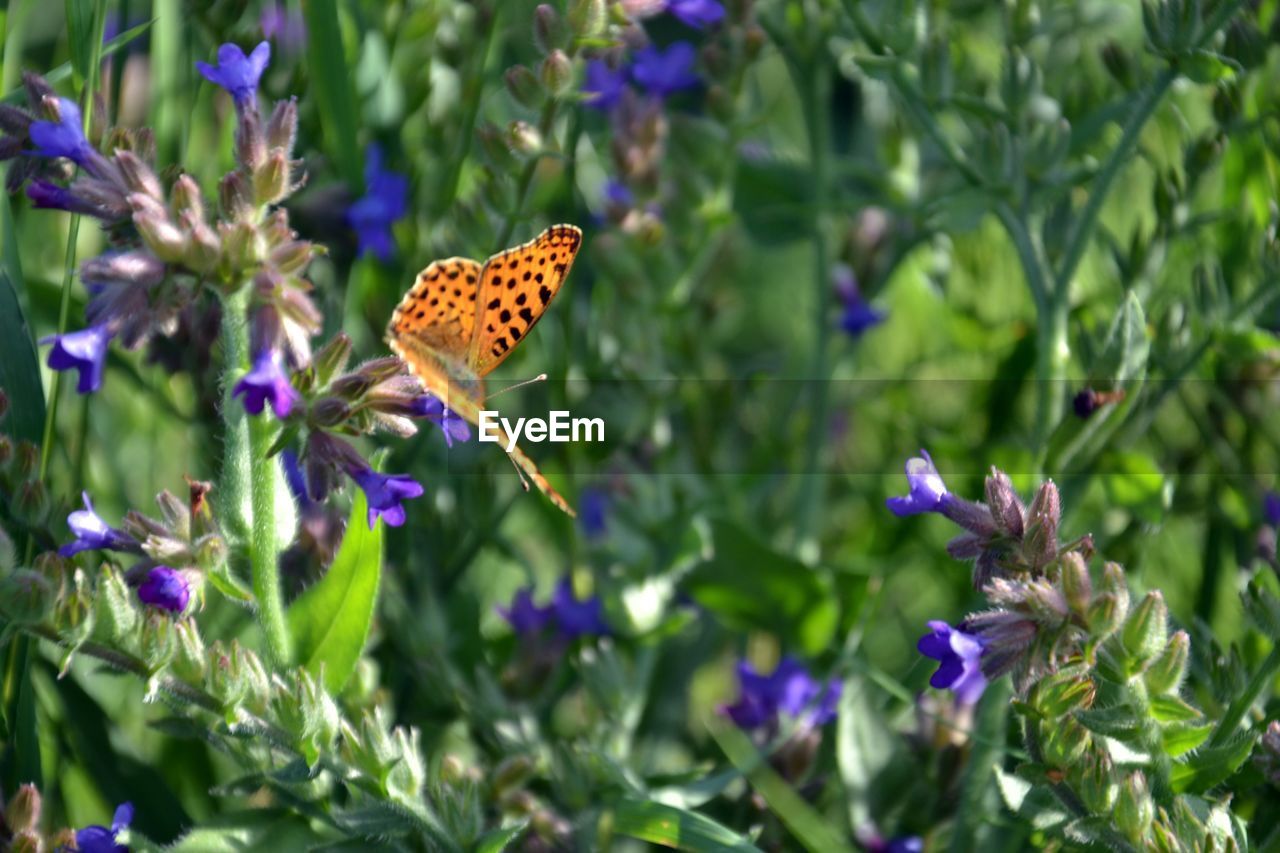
(460, 320)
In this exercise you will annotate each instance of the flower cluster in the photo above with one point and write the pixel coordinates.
(567, 616)
(789, 691)
(165, 249)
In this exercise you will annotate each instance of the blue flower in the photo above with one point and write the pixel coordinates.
(593, 512)
(576, 618)
(664, 73)
(859, 316)
(905, 844)
(53, 197)
(526, 617)
(295, 479)
(789, 689)
(454, 428)
(927, 492)
(267, 381)
(99, 839)
(960, 661)
(85, 351)
(1271, 508)
(92, 533)
(237, 73)
(603, 85)
(165, 588)
(385, 199)
(699, 14)
(384, 493)
(64, 137)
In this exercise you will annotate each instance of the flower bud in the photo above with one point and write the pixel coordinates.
(236, 196)
(239, 246)
(257, 682)
(7, 453)
(557, 73)
(28, 459)
(1117, 63)
(753, 41)
(587, 18)
(1077, 586)
(160, 234)
(1059, 694)
(549, 29)
(138, 176)
(1063, 741)
(381, 369)
(32, 502)
(189, 652)
(1166, 672)
(331, 359)
(282, 127)
(1097, 784)
(494, 147)
(452, 771)
(204, 250)
(1105, 615)
(26, 597)
(8, 555)
(523, 86)
(1115, 583)
(293, 256)
(329, 412)
(158, 641)
(1040, 544)
(1145, 631)
(226, 681)
(28, 841)
(271, 180)
(1267, 754)
(187, 198)
(409, 774)
(251, 144)
(116, 615)
(23, 811)
(352, 386)
(512, 773)
(1134, 809)
(1006, 506)
(972, 516)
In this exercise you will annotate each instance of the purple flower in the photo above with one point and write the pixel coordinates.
(295, 479)
(454, 428)
(664, 73)
(789, 689)
(284, 25)
(905, 844)
(618, 194)
(927, 491)
(526, 617)
(960, 661)
(99, 839)
(384, 493)
(53, 197)
(577, 618)
(64, 137)
(165, 588)
(1271, 508)
(85, 351)
(385, 199)
(237, 73)
(267, 381)
(92, 533)
(603, 85)
(593, 512)
(860, 316)
(699, 14)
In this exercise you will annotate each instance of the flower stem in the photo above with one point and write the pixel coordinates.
(249, 480)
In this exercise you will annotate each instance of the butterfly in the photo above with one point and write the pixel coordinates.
(460, 320)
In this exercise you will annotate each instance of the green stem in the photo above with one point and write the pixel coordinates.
(1159, 770)
(249, 480)
(1240, 706)
(815, 81)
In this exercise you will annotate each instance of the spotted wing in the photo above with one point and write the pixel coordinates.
(516, 286)
(439, 311)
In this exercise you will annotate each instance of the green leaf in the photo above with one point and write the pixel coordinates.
(668, 826)
(19, 364)
(808, 827)
(979, 800)
(497, 840)
(1171, 709)
(330, 621)
(751, 586)
(332, 85)
(1181, 738)
(1211, 765)
(83, 28)
(1119, 722)
(865, 748)
(256, 829)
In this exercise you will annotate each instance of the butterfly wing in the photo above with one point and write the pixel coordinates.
(440, 309)
(516, 286)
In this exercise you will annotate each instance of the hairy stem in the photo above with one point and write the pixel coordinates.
(1261, 681)
(249, 480)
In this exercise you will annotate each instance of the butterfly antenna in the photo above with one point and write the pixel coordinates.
(541, 377)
